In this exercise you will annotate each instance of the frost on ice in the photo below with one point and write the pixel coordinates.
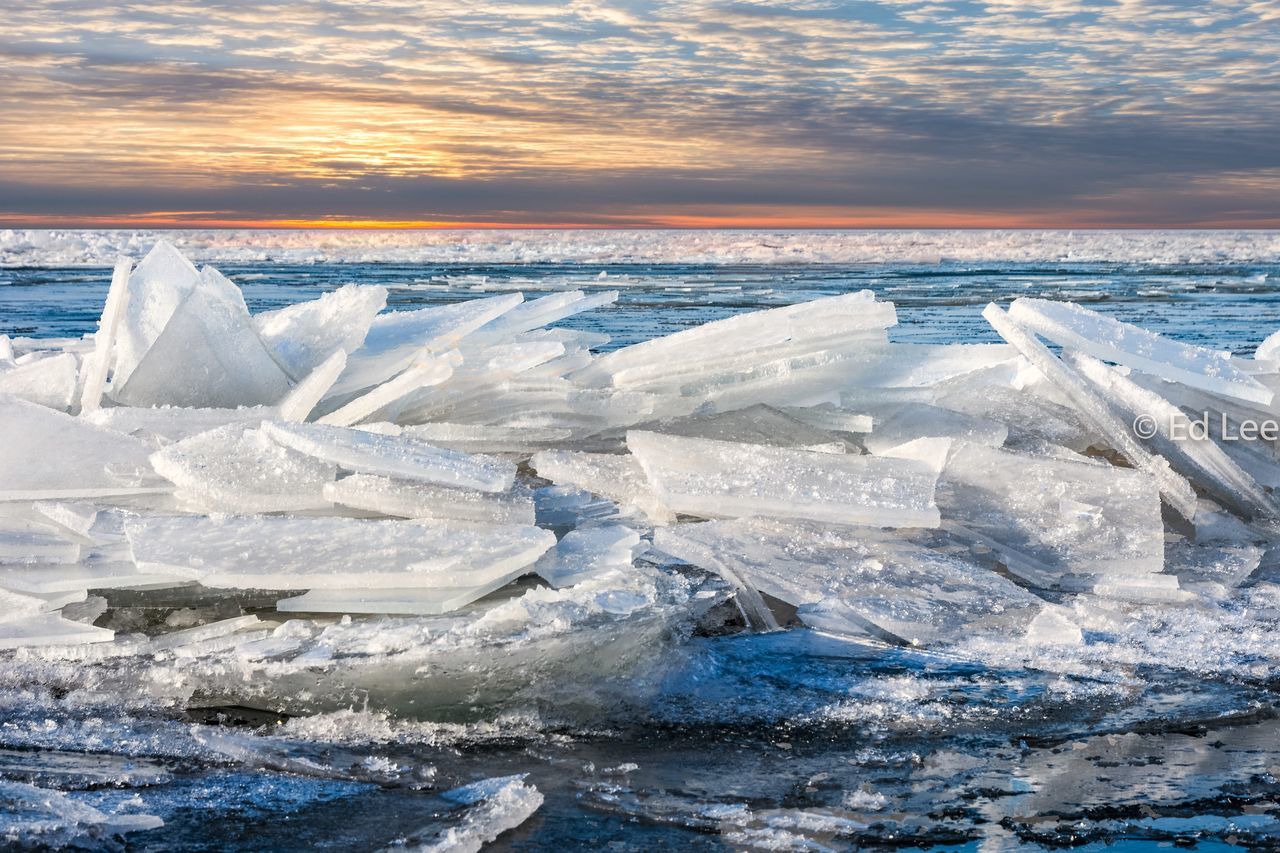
(434, 511)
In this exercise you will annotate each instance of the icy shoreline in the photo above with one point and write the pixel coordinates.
(91, 247)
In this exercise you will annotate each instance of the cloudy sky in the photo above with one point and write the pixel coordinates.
(701, 112)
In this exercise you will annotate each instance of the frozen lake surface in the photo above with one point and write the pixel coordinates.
(789, 740)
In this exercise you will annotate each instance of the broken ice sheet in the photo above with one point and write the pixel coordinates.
(44, 818)
(237, 469)
(394, 456)
(273, 552)
(46, 629)
(618, 477)
(49, 380)
(303, 335)
(588, 551)
(854, 580)
(896, 424)
(491, 807)
(1102, 337)
(480, 438)
(418, 601)
(155, 289)
(409, 499)
(50, 455)
(722, 479)
(208, 355)
(759, 424)
(1049, 517)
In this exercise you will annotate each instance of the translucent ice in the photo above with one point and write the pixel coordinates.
(156, 288)
(98, 363)
(237, 469)
(1050, 517)
(394, 456)
(409, 499)
(207, 355)
(721, 479)
(1079, 328)
(851, 580)
(618, 477)
(302, 335)
(48, 454)
(49, 380)
(273, 552)
(492, 807)
(589, 551)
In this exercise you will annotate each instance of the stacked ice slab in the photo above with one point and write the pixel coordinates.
(350, 460)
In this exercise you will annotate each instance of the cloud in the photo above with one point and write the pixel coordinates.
(599, 111)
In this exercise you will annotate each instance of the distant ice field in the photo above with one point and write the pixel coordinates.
(1218, 288)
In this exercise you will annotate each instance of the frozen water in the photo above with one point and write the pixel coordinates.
(271, 552)
(98, 363)
(410, 499)
(235, 469)
(48, 380)
(723, 479)
(304, 335)
(1102, 337)
(394, 456)
(423, 624)
(208, 354)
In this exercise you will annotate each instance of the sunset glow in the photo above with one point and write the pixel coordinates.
(771, 114)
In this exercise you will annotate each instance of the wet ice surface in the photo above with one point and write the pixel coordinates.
(789, 740)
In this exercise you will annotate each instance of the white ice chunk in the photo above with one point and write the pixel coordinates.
(588, 552)
(50, 455)
(394, 456)
(898, 424)
(208, 355)
(721, 479)
(48, 380)
(479, 438)
(156, 288)
(99, 362)
(303, 398)
(404, 601)
(1196, 456)
(274, 552)
(1173, 487)
(1269, 349)
(75, 519)
(49, 629)
(1050, 517)
(31, 542)
(396, 339)
(759, 424)
(735, 343)
(423, 500)
(1102, 337)
(91, 574)
(422, 373)
(618, 477)
(174, 423)
(494, 806)
(304, 335)
(852, 580)
(236, 469)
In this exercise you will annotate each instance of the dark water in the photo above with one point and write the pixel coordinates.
(743, 739)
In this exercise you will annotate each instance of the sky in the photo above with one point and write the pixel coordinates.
(716, 113)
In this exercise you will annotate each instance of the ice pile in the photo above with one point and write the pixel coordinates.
(473, 476)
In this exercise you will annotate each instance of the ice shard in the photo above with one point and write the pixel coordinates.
(207, 355)
(721, 479)
(589, 551)
(156, 288)
(50, 455)
(409, 499)
(618, 477)
(275, 552)
(98, 363)
(1046, 518)
(1173, 486)
(303, 335)
(234, 469)
(304, 396)
(855, 581)
(48, 380)
(1102, 337)
(394, 456)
